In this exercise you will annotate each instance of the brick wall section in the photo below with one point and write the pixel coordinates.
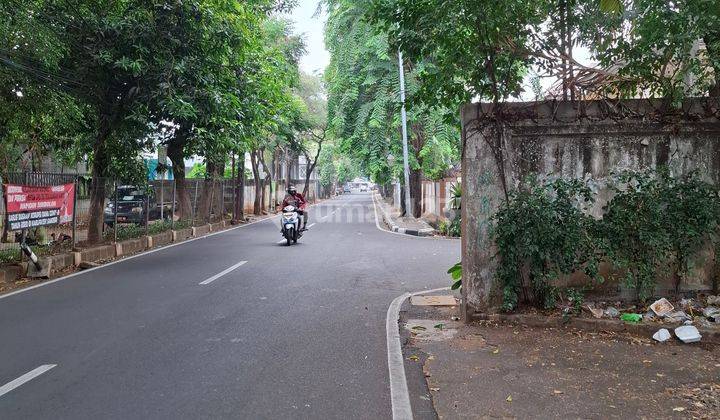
(587, 139)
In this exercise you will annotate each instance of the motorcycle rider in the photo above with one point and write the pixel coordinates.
(294, 198)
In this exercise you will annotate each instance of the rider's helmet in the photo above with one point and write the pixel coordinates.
(292, 190)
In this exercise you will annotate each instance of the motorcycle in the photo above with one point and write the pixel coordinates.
(290, 225)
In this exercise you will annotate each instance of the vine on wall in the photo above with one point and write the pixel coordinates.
(654, 218)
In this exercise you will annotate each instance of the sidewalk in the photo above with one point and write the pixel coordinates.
(396, 223)
(501, 370)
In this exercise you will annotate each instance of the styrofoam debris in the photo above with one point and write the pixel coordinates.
(688, 334)
(662, 307)
(662, 335)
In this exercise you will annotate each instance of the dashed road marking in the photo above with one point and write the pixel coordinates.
(222, 273)
(24, 378)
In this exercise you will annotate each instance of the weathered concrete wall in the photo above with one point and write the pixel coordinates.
(590, 140)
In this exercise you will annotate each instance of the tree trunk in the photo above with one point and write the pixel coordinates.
(257, 205)
(208, 196)
(712, 44)
(176, 154)
(241, 187)
(97, 184)
(288, 166)
(416, 191)
(267, 181)
(310, 168)
(276, 165)
(418, 142)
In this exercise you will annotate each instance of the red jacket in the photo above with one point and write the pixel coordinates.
(298, 201)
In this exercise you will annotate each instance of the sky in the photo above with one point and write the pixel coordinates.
(317, 58)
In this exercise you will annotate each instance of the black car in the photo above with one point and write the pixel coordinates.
(131, 206)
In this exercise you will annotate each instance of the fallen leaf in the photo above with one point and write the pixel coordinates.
(660, 375)
(431, 357)
(557, 392)
(496, 351)
(419, 327)
(679, 409)
(440, 326)
(414, 358)
(435, 389)
(647, 361)
(509, 398)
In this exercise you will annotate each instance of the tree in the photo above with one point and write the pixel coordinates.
(313, 95)
(111, 55)
(364, 106)
(485, 50)
(655, 45)
(201, 64)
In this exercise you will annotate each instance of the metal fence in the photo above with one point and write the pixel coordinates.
(161, 201)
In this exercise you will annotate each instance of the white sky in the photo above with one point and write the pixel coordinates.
(317, 58)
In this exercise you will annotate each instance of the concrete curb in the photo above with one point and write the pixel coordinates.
(395, 228)
(590, 324)
(104, 253)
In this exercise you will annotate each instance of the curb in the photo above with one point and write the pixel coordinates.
(114, 252)
(595, 325)
(395, 228)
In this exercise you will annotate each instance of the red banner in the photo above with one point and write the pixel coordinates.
(29, 207)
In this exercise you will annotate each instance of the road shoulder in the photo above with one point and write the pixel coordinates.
(489, 369)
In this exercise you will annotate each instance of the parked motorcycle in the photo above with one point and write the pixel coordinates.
(290, 225)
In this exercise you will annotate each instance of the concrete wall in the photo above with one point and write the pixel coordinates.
(434, 201)
(589, 139)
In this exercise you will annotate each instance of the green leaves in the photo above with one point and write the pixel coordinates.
(540, 234)
(611, 6)
(653, 218)
(456, 274)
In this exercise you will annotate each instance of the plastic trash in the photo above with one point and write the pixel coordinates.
(612, 312)
(677, 316)
(631, 318)
(662, 335)
(711, 312)
(662, 307)
(688, 334)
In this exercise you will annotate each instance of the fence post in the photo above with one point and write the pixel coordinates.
(147, 211)
(172, 211)
(115, 211)
(74, 217)
(194, 209)
(222, 200)
(162, 199)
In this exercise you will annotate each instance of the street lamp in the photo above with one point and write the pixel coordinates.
(406, 165)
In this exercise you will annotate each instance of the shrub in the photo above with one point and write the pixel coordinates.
(541, 234)
(655, 218)
(9, 255)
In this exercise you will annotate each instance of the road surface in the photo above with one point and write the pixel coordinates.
(293, 332)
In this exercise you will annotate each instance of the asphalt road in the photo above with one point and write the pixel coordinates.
(295, 332)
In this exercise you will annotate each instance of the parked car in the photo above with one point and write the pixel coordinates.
(363, 187)
(346, 189)
(131, 206)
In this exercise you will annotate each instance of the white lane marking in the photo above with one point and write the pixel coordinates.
(162, 248)
(311, 225)
(222, 273)
(25, 378)
(399, 395)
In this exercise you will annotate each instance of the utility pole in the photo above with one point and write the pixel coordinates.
(406, 165)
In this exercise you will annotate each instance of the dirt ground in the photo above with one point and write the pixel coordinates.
(488, 370)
